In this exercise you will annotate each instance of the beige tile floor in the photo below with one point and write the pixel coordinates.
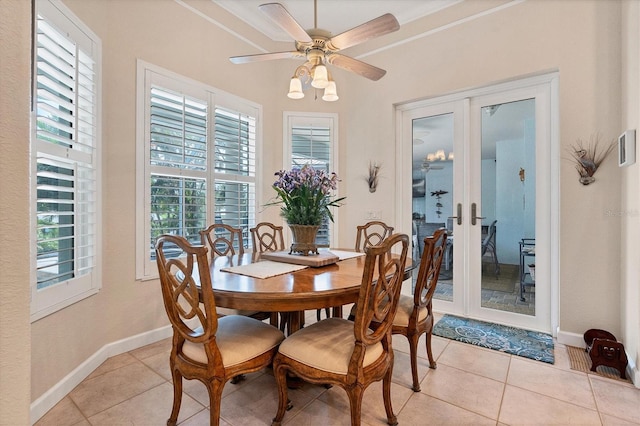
(470, 386)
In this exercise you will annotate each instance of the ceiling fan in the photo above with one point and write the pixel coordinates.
(318, 47)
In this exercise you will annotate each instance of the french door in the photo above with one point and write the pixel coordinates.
(481, 165)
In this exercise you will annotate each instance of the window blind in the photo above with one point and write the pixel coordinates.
(178, 131)
(235, 135)
(235, 167)
(178, 156)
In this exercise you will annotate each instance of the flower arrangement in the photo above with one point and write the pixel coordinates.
(305, 195)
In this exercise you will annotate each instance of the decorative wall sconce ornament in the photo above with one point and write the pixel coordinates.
(588, 157)
(372, 180)
(521, 174)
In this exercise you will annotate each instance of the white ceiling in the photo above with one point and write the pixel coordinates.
(335, 16)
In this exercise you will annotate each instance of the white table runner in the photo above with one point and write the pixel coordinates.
(343, 255)
(264, 269)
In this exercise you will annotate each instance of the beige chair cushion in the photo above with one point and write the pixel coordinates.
(327, 345)
(239, 339)
(405, 307)
(229, 311)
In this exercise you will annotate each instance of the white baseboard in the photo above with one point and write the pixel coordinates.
(633, 372)
(57, 392)
(570, 339)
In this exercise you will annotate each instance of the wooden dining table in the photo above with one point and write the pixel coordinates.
(313, 288)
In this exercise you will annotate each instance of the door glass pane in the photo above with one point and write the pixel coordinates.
(432, 199)
(508, 206)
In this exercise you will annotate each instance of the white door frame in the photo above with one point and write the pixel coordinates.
(547, 188)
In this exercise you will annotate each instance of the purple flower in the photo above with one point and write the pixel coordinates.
(305, 194)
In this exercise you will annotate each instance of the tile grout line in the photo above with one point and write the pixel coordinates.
(504, 389)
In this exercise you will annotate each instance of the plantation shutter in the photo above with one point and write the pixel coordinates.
(65, 144)
(311, 145)
(235, 169)
(178, 160)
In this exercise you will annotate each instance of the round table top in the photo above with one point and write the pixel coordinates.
(309, 288)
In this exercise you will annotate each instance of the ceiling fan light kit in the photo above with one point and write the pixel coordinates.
(320, 77)
(320, 49)
(330, 92)
(295, 88)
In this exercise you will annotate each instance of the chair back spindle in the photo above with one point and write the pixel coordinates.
(181, 280)
(429, 271)
(380, 290)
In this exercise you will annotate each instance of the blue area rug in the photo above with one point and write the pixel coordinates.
(511, 340)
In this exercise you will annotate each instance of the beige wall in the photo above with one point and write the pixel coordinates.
(15, 359)
(630, 211)
(581, 39)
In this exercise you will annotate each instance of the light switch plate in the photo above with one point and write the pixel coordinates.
(627, 148)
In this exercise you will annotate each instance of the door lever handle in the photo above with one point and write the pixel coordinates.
(473, 214)
(458, 214)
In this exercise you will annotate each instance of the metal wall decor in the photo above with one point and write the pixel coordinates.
(587, 157)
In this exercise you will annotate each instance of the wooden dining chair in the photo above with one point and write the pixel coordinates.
(225, 240)
(205, 347)
(371, 234)
(415, 315)
(336, 351)
(222, 240)
(267, 237)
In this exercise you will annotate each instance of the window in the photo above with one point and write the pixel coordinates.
(66, 149)
(197, 161)
(311, 140)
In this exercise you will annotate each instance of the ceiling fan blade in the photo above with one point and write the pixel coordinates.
(356, 66)
(377, 27)
(280, 16)
(265, 57)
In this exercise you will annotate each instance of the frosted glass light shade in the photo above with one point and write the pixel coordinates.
(320, 77)
(330, 92)
(295, 89)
